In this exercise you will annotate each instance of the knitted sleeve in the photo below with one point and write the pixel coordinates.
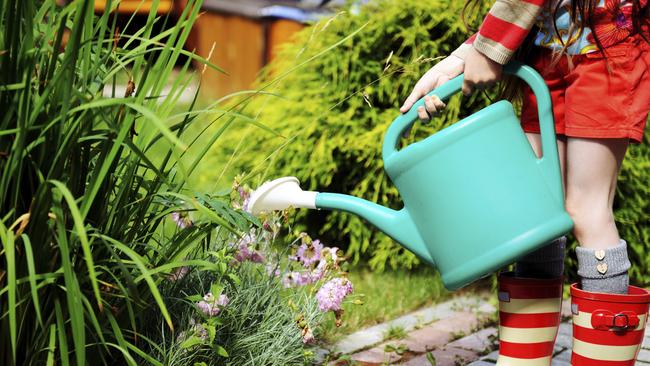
(504, 29)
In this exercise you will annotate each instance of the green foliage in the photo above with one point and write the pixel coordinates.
(88, 183)
(333, 112)
(257, 327)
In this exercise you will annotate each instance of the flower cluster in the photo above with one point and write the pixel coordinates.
(211, 305)
(331, 294)
(316, 261)
(245, 251)
(311, 263)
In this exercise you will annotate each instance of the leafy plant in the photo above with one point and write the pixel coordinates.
(89, 182)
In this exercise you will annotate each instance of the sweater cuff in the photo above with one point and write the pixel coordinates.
(492, 50)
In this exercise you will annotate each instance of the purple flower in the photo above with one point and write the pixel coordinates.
(297, 279)
(290, 279)
(331, 295)
(211, 306)
(182, 219)
(246, 254)
(243, 253)
(319, 272)
(330, 254)
(309, 253)
(257, 257)
(244, 196)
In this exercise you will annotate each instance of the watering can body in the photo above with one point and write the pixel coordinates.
(476, 197)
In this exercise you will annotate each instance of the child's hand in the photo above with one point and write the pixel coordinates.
(480, 71)
(442, 72)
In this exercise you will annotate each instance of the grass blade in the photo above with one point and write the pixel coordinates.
(83, 238)
(29, 255)
(7, 238)
(138, 261)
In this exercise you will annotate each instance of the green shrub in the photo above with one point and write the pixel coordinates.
(332, 114)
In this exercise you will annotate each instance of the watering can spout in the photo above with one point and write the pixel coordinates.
(285, 192)
(396, 224)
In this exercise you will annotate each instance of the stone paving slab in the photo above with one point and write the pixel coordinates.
(376, 334)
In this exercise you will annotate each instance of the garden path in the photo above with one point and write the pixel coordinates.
(461, 331)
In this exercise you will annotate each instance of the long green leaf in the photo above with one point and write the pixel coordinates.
(138, 261)
(31, 269)
(83, 239)
(7, 238)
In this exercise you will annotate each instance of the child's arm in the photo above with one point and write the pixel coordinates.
(503, 30)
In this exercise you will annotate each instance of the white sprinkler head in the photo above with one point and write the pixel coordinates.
(280, 194)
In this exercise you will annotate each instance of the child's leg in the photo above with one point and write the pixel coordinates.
(592, 169)
(548, 261)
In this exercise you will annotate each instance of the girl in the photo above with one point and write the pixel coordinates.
(595, 58)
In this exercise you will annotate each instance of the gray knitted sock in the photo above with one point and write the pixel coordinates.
(545, 262)
(604, 270)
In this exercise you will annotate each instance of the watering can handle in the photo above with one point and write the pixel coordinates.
(545, 110)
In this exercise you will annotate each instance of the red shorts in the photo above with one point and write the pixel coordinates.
(589, 101)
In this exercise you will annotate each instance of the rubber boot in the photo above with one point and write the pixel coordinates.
(608, 329)
(529, 317)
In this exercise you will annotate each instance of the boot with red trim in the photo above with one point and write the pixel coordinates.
(608, 329)
(529, 317)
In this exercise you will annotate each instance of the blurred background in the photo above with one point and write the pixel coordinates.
(241, 36)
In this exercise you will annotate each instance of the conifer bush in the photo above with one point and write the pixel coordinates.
(331, 115)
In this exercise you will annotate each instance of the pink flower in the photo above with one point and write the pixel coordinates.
(319, 272)
(290, 279)
(307, 336)
(331, 295)
(309, 253)
(211, 306)
(257, 257)
(182, 219)
(244, 196)
(330, 254)
(245, 254)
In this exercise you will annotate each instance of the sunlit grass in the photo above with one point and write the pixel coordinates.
(386, 296)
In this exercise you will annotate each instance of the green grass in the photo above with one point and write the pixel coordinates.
(385, 296)
(395, 332)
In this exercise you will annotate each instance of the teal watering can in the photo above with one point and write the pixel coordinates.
(476, 197)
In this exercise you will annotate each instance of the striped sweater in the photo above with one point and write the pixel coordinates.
(509, 22)
(504, 29)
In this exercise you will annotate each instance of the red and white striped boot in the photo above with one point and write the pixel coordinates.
(608, 328)
(529, 317)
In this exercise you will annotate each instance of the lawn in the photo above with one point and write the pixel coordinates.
(385, 296)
